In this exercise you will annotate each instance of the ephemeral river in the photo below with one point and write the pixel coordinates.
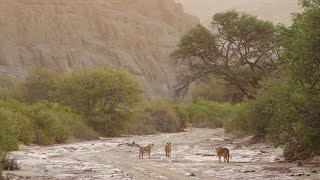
(193, 157)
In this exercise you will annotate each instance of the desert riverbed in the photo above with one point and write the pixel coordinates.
(193, 157)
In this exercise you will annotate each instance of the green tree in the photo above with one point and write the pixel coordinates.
(302, 50)
(206, 114)
(216, 90)
(240, 49)
(106, 96)
(255, 116)
(38, 83)
(301, 114)
(287, 109)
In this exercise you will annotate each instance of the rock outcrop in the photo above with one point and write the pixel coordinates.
(136, 35)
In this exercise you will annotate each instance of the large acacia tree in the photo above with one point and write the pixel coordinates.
(239, 48)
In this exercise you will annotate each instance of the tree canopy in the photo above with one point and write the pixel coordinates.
(239, 48)
(98, 89)
(106, 96)
(287, 108)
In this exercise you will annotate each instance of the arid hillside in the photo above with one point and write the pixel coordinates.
(278, 11)
(136, 35)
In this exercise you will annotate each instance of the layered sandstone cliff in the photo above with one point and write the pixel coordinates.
(136, 35)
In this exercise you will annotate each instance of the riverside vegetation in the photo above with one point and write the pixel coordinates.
(246, 75)
(49, 107)
(275, 71)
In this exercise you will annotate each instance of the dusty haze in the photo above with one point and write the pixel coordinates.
(278, 11)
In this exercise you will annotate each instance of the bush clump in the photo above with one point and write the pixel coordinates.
(105, 96)
(281, 114)
(41, 123)
(162, 116)
(206, 114)
(7, 163)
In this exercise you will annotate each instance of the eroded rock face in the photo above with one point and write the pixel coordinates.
(136, 35)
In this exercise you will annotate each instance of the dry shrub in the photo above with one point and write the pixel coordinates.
(200, 120)
(163, 117)
(9, 164)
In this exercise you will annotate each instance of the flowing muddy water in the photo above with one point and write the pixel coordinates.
(193, 152)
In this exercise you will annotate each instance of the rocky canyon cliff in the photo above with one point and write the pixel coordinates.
(135, 35)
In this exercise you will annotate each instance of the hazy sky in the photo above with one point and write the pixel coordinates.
(277, 11)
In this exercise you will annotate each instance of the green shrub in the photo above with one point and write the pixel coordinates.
(217, 90)
(299, 118)
(281, 113)
(22, 121)
(82, 131)
(200, 120)
(140, 124)
(41, 123)
(57, 124)
(166, 116)
(108, 125)
(294, 124)
(6, 85)
(8, 131)
(73, 125)
(255, 116)
(104, 99)
(105, 96)
(38, 84)
(46, 127)
(239, 123)
(164, 119)
(161, 116)
(78, 129)
(25, 128)
(207, 114)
